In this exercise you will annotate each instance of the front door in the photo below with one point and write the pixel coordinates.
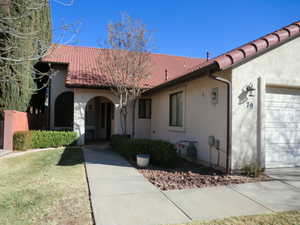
(108, 120)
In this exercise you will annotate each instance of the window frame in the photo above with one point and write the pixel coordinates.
(184, 107)
(143, 114)
(177, 122)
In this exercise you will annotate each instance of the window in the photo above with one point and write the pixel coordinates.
(63, 110)
(144, 108)
(176, 109)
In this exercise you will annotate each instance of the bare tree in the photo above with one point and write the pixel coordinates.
(124, 63)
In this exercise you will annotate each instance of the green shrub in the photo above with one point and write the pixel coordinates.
(162, 153)
(252, 170)
(23, 140)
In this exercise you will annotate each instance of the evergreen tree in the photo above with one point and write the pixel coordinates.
(25, 35)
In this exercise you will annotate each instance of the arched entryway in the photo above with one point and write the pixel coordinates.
(99, 119)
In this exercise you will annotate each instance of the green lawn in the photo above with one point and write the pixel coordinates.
(46, 187)
(284, 218)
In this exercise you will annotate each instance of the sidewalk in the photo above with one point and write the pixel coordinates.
(4, 152)
(120, 195)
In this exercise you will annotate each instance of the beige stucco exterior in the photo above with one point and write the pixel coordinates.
(277, 67)
(202, 118)
(81, 97)
(57, 87)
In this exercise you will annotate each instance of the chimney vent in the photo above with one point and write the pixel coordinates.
(207, 56)
(166, 74)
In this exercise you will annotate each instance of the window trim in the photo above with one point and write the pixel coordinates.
(176, 91)
(144, 115)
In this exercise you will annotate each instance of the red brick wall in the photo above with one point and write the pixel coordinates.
(13, 121)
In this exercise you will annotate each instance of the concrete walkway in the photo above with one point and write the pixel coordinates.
(120, 195)
(4, 152)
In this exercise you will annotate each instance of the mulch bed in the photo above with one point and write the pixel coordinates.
(188, 175)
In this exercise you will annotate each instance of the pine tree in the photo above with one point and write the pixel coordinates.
(25, 35)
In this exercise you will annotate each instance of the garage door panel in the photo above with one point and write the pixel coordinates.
(281, 105)
(282, 135)
(286, 115)
(273, 137)
(282, 155)
(279, 125)
(288, 148)
(282, 127)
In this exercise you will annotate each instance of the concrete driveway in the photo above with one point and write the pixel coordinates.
(289, 176)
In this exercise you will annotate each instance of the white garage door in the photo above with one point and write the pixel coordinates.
(282, 127)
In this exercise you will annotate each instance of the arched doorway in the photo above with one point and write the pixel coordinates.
(99, 119)
(64, 111)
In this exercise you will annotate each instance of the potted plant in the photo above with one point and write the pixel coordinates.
(142, 160)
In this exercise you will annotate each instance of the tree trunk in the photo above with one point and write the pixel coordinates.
(133, 119)
(123, 120)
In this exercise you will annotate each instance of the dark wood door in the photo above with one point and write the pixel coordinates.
(108, 120)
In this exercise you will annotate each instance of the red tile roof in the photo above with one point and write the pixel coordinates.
(255, 47)
(83, 69)
(237, 55)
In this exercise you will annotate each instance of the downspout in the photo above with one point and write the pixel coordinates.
(229, 95)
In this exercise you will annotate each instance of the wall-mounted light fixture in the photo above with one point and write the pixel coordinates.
(250, 89)
(214, 95)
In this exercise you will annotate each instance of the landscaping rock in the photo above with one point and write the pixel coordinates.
(190, 175)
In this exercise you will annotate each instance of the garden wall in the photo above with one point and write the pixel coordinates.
(1, 134)
(13, 121)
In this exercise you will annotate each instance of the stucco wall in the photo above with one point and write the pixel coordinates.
(13, 121)
(81, 98)
(202, 118)
(57, 87)
(279, 67)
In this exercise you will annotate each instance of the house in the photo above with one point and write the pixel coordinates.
(240, 108)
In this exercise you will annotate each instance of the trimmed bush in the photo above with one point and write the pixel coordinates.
(23, 140)
(162, 153)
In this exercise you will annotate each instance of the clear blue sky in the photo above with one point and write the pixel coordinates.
(183, 27)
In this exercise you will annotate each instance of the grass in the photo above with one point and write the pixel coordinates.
(283, 218)
(46, 187)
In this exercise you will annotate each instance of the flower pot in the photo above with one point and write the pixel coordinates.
(142, 160)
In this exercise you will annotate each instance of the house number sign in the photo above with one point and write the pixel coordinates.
(247, 96)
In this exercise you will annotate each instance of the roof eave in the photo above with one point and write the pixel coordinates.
(261, 52)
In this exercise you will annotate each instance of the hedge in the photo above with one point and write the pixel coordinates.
(162, 153)
(23, 140)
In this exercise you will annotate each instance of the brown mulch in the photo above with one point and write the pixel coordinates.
(188, 175)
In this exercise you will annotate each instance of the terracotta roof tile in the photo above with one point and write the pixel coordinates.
(83, 69)
(236, 55)
(254, 47)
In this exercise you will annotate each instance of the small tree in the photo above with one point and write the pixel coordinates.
(124, 64)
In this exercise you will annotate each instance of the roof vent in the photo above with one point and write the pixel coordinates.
(166, 74)
(207, 56)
